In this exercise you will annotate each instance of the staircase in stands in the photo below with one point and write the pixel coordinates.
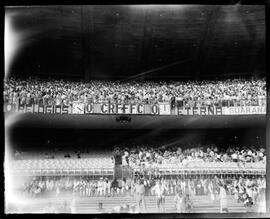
(88, 205)
(202, 204)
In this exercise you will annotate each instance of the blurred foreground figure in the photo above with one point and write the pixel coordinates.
(139, 194)
(180, 202)
(223, 200)
(160, 190)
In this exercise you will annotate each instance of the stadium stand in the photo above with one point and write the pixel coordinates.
(243, 193)
(63, 163)
(235, 92)
(197, 159)
(116, 60)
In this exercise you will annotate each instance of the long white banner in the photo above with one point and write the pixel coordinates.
(247, 110)
(141, 109)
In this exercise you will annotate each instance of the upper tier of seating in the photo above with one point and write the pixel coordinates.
(200, 93)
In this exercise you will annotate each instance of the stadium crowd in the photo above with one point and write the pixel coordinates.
(245, 189)
(191, 93)
(148, 158)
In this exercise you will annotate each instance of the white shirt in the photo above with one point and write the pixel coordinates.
(100, 184)
(223, 193)
(108, 185)
(263, 184)
(124, 161)
(104, 184)
(159, 190)
(234, 156)
(183, 184)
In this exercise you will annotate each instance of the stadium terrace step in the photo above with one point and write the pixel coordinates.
(86, 205)
(201, 204)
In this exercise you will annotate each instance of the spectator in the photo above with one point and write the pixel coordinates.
(180, 202)
(139, 191)
(191, 93)
(223, 199)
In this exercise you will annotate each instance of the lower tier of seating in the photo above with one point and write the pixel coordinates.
(88, 205)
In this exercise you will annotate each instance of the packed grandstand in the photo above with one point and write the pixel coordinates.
(145, 155)
(232, 92)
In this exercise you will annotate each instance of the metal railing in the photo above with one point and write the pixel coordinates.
(65, 172)
(196, 171)
(203, 168)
